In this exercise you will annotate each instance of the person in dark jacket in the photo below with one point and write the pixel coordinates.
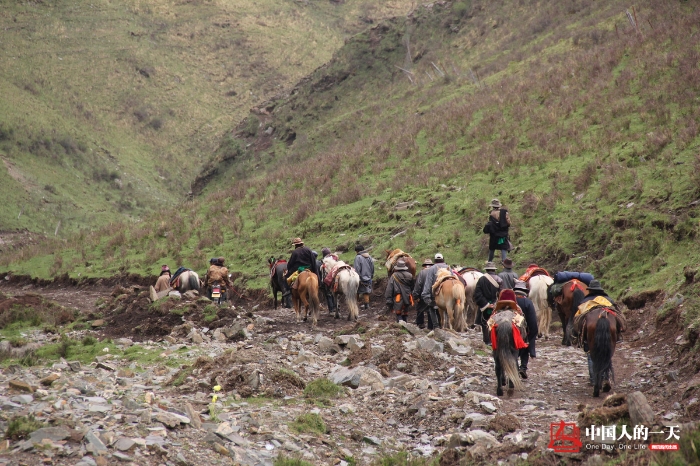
(427, 293)
(508, 276)
(398, 291)
(364, 266)
(485, 297)
(528, 309)
(497, 228)
(421, 307)
(301, 257)
(327, 292)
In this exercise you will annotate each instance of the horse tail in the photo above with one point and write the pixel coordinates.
(459, 297)
(350, 293)
(312, 290)
(193, 281)
(538, 295)
(507, 353)
(602, 350)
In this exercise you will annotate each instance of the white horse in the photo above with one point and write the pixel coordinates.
(189, 280)
(470, 308)
(348, 283)
(538, 295)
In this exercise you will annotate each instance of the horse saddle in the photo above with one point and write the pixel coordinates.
(440, 280)
(330, 278)
(273, 267)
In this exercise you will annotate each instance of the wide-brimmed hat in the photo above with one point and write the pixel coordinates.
(359, 248)
(438, 257)
(496, 204)
(427, 262)
(400, 265)
(165, 268)
(595, 286)
(521, 286)
(325, 251)
(296, 241)
(490, 266)
(508, 263)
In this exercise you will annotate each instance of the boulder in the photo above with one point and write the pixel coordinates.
(345, 376)
(429, 345)
(345, 339)
(327, 345)
(639, 409)
(372, 378)
(480, 437)
(411, 328)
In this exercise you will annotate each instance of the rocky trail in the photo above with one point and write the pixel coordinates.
(146, 396)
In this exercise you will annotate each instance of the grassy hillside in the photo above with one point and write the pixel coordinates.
(108, 109)
(582, 121)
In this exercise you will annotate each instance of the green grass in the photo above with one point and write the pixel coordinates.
(282, 460)
(402, 458)
(322, 389)
(20, 427)
(309, 423)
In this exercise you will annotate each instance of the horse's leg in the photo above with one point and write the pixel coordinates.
(499, 374)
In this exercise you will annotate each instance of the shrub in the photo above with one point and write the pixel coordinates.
(322, 388)
(20, 427)
(309, 423)
(89, 340)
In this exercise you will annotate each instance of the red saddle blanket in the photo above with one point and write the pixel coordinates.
(533, 272)
(517, 338)
(273, 267)
(330, 277)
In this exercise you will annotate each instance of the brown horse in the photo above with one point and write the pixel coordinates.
(564, 304)
(599, 330)
(410, 261)
(306, 293)
(450, 301)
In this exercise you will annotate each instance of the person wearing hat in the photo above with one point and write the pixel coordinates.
(508, 276)
(302, 258)
(364, 266)
(485, 297)
(217, 273)
(497, 228)
(421, 307)
(398, 291)
(427, 293)
(528, 308)
(163, 282)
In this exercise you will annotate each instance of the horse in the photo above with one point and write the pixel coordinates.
(450, 301)
(505, 356)
(564, 304)
(277, 281)
(599, 329)
(188, 280)
(306, 293)
(410, 261)
(538, 295)
(470, 276)
(348, 283)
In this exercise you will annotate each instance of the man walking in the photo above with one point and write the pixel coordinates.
(508, 276)
(485, 297)
(528, 309)
(364, 266)
(427, 293)
(398, 291)
(497, 228)
(421, 306)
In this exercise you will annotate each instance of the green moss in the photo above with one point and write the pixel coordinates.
(322, 388)
(282, 460)
(21, 426)
(309, 423)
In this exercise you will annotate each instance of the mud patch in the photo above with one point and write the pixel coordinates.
(503, 424)
(34, 309)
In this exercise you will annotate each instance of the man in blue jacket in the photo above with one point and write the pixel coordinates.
(528, 309)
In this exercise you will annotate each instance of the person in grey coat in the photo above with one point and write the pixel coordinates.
(421, 307)
(508, 276)
(364, 266)
(427, 293)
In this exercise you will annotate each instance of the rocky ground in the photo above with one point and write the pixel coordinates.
(143, 393)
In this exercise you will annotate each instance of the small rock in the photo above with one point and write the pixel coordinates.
(171, 420)
(345, 339)
(326, 345)
(54, 434)
(75, 366)
(223, 429)
(122, 456)
(107, 367)
(639, 409)
(488, 407)
(98, 323)
(371, 440)
(124, 444)
(175, 294)
(191, 294)
(20, 385)
(220, 449)
(95, 445)
(49, 379)
(345, 376)
(193, 415)
(411, 328)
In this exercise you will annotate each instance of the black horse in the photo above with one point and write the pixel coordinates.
(278, 268)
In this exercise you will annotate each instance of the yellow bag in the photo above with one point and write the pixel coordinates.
(293, 277)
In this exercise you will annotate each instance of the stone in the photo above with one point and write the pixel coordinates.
(371, 440)
(95, 445)
(371, 378)
(99, 408)
(429, 345)
(458, 440)
(191, 294)
(122, 457)
(481, 437)
(345, 339)
(197, 338)
(50, 379)
(124, 444)
(20, 385)
(346, 409)
(355, 345)
(124, 342)
(98, 323)
(488, 407)
(75, 366)
(639, 409)
(377, 350)
(23, 399)
(457, 347)
(52, 433)
(417, 409)
(411, 328)
(220, 449)
(195, 420)
(326, 345)
(305, 357)
(223, 429)
(219, 335)
(180, 458)
(169, 419)
(345, 376)
(107, 367)
(175, 294)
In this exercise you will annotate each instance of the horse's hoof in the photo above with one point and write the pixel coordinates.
(510, 384)
(606, 386)
(596, 393)
(499, 391)
(348, 317)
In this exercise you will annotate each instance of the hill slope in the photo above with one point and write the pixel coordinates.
(108, 110)
(582, 121)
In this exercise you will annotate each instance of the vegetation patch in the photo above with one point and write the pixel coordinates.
(322, 389)
(20, 427)
(283, 460)
(309, 423)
